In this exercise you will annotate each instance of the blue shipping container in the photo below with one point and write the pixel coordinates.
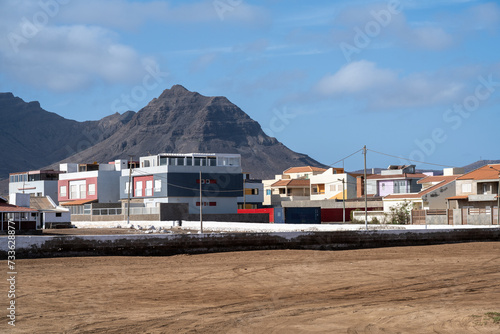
(302, 215)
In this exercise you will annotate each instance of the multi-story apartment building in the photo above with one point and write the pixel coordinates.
(254, 193)
(35, 183)
(477, 189)
(81, 184)
(394, 180)
(177, 178)
(292, 185)
(333, 183)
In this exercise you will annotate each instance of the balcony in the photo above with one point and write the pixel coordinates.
(483, 198)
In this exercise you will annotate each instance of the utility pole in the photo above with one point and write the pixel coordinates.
(364, 186)
(201, 208)
(129, 187)
(498, 196)
(244, 192)
(343, 199)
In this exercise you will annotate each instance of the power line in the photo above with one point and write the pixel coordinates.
(421, 162)
(350, 155)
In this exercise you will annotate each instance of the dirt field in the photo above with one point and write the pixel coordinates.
(429, 289)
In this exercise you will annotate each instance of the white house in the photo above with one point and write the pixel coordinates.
(81, 184)
(36, 182)
(333, 183)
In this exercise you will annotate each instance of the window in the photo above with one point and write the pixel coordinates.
(207, 203)
(268, 192)
(163, 161)
(78, 189)
(180, 161)
(466, 188)
(253, 191)
(91, 189)
(74, 191)
(149, 188)
(63, 191)
(145, 163)
(189, 161)
(127, 185)
(83, 191)
(212, 161)
(282, 191)
(200, 161)
(58, 214)
(138, 189)
(227, 161)
(157, 186)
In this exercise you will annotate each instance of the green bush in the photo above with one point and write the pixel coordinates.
(401, 213)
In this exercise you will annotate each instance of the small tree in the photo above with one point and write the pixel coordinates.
(400, 214)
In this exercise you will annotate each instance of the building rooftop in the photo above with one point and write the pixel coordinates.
(5, 207)
(423, 192)
(396, 176)
(483, 173)
(300, 183)
(437, 178)
(304, 169)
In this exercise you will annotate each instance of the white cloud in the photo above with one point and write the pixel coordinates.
(125, 14)
(378, 23)
(433, 38)
(202, 62)
(355, 77)
(382, 88)
(68, 58)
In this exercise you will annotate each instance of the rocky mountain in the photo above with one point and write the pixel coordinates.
(32, 137)
(479, 164)
(182, 121)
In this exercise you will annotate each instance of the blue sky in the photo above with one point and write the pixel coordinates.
(414, 79)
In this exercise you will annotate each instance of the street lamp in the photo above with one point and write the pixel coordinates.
(498, 196)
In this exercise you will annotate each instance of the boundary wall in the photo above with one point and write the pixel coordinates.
(164, 245)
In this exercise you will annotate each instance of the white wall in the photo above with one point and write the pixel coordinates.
(329, 179)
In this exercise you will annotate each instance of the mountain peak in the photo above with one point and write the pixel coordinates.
(7, 95)
(176, 91)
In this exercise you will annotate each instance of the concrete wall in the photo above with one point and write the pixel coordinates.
(162, 245)
(234, 218)
(436, 219)
(85, 218)
(327, 204)
(381, 216)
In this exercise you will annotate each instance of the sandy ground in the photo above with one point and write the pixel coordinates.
(428, 289)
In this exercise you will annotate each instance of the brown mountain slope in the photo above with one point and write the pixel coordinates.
(32, 137)
(181, 121)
